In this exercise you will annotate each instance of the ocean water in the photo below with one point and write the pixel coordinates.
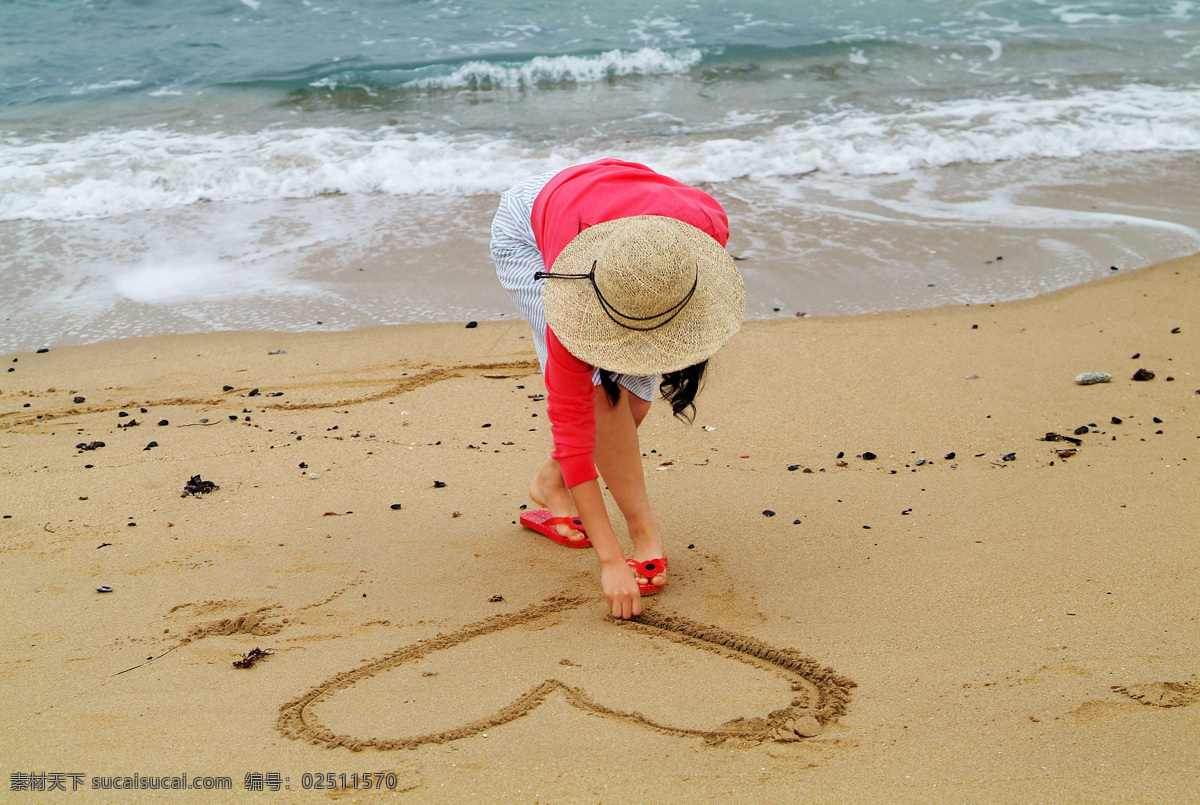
(296, 165)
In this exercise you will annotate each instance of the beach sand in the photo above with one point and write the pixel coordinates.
(1003, 625)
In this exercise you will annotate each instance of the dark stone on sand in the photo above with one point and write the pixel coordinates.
(868, 456)
(1135, 356)
(253, 393)
(396, 507)
(163, 422)
(439, 484)
(768, 513)
(233, 417)
(123, 413)
(79, 400)
(1175, 331)
(1116, 420)
(949, 456)
(471, 325)
(841, 454)
(104, 589)
(1010, 457)
(795, 522)
(1143, 374)
(487, 424)
(197, 487)
(793, 467)
(1157, 421)
(496, 599)
(1082, 429)
(226, 388)
(42, 351)
(152, 444)
(303, 465)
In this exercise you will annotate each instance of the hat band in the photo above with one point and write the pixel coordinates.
(610, 309)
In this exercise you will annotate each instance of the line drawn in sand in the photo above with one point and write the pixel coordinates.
(820, 695)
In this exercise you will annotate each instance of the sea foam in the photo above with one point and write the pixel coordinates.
(115, 172)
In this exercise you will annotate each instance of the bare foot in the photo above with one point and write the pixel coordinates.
(549, 491)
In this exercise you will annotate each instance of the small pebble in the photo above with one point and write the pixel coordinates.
(806, 726)
(79, 400)
(1090, 378)
(1143, 374)
(1010, 457)
(1116, 420)
(104, 589)
(1082, 429)
(43, 350)
(438, 484)
(471, 325)
(163, 422)
(768, 513)
(123, 413)
(496, 599)
(1175, 331)
(152, 444)
(396, 507)
(795, 522)
(868, 456)
(949, 456)
(226, 388)
(793, 467)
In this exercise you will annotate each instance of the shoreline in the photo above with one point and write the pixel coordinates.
(1000, 629)
(817, 245)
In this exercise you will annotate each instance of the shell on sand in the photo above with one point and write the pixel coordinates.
(1088, 378)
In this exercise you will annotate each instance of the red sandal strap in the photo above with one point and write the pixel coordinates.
(648, 569)
(573, 522)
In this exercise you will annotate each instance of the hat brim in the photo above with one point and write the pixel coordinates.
(702, 326)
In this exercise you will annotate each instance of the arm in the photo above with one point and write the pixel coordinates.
(616, 578)
(573, 424)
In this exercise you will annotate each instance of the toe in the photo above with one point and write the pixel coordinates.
(570, 533)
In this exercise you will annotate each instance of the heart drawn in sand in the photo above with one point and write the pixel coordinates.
(819, 695)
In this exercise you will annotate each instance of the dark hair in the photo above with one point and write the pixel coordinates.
(678, 388)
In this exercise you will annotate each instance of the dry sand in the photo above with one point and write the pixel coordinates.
(966, 629)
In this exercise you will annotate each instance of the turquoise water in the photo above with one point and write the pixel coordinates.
(172, 167)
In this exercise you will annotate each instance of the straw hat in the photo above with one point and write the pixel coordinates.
(643, 295)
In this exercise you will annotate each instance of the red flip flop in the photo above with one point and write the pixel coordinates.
(648, 570)
(541, 521)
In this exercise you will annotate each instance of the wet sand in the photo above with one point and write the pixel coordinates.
(1006, 624)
